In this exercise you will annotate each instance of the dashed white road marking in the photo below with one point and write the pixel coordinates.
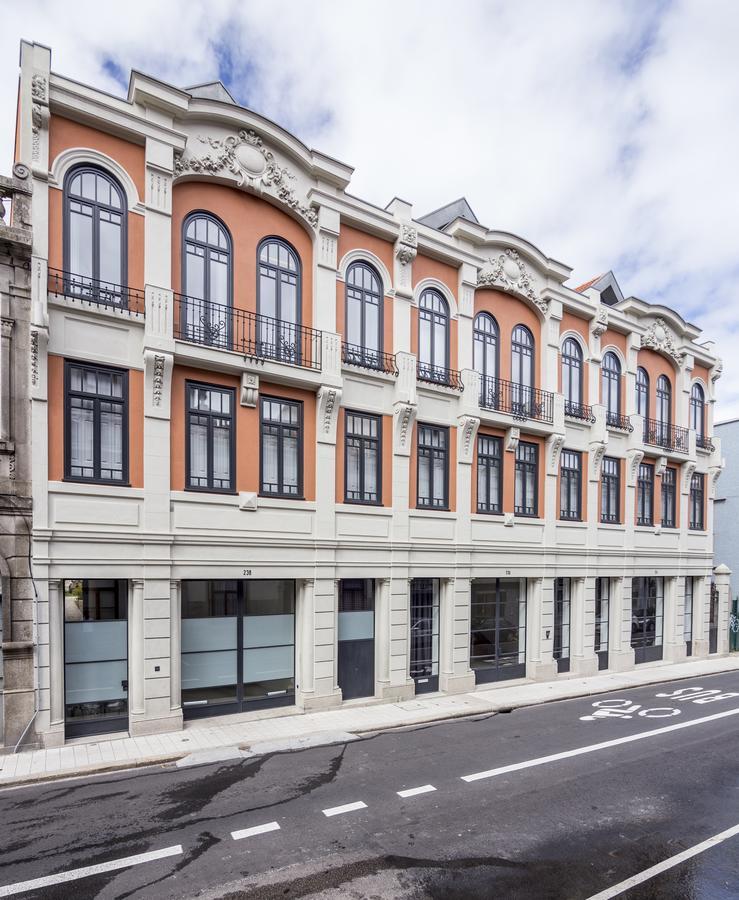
(591, 748)
(347, 807)
(665, 865)
(412, 792)
(255, 829)
(74, 874)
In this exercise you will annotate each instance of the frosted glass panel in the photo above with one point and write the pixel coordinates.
(98, 641)
(269, 664)
(268, 631)
(356, 626)
(208, 670)
(209, 634)
(92, 682)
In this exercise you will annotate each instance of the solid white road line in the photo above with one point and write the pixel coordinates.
(347, 807)
(665, 865)
(73, 874)
(255, 829)
(591, 748)
(412, 792)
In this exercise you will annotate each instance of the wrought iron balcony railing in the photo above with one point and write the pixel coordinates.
(450, 378)
(91, 290)
(666, 436)
(262, 337)
(616, 420)
(365, 358)
(704, 443)
(520, 401)
(580, 411)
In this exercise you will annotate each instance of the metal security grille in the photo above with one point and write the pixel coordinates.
(424, 667)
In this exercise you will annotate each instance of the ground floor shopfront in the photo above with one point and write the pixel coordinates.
(126, 655)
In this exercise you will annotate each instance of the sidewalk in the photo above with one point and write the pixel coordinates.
(211, 740)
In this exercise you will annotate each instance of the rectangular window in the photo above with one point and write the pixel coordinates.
(610, 490)
(281, 459)
(697, 493)
(668, 498)
(526, 501)
(96, 423)
(570, 485)
(433, 467)
(210, 448)
(645, 494)
(362, 458)
(489, 475)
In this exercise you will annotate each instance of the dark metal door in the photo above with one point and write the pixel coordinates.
(356, 644)
(424, 626)
(562, 601)
(713, 621)
(647, 607)
(602, 620)
(498, 629)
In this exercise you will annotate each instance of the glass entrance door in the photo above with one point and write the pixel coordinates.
(688, 617)
(562, 610)
(498, 629)
(424, 627)
(356, 645)
(238, 645)
(647, 611)
(602, 616)
(95, 656)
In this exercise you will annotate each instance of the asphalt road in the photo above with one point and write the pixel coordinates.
(608, 806)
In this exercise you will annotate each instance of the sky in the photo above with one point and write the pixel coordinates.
(606, 132)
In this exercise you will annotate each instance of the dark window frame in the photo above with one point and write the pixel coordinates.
(572, 368)
(220, 224)
(122, 212)
(697, 500)
(300, 495)
(485, 461)
(527, 467)
(124, 480)
(698, 403)
(189, 413)
(664, 401)
(642, 391)
(644, 491)
(485, 337)
(275, 239)
(380, 295)
(363, 440)
(428, 451)
(566, 475)
(433, 363)
(525, 349)
(669, 489)
(607, 515)
(611, 375)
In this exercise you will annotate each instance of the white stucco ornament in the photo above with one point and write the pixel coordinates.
(508, 271)
(245, 156)
(659, 337)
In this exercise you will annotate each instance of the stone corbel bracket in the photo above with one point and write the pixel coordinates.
(466, 432)
(403, 418)
(249, 395)
(714, 473)
(157, 383)
(597, 452)
(329, 401)
(406, 248)
(635, 458)
(660, 465)
(688, 472)
(599, 324)
(555, 443)
(512, 437)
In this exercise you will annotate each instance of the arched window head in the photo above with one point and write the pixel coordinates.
(664, 400)
(206, 280)
(572, 374)
(522, 357)
(642, 392)
(433, 336)
(363, 315)
(279, 301)
(95, 247)
(698, 410)
(485, 345)
(610, 386)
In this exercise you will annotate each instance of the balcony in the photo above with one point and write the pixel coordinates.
(93, 292)
(519, 401)
(580, 411)
(704, 443)
(619, 422)
(449, 378)
(257, 336)
(666, 436)
(364, 358)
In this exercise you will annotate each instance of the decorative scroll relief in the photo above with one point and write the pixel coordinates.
(157, 380)
(597, 452)
(635, 458)
(508, 271)
(406, 248)
(34, 356)
(512, 437)
(659, 337)
(38, 87)
(467, 430)
(403, 427)
(714, 473)
(555, 443)
(600, 323)
(688, 472)
(246, 157)
(249, 389)
(717, 370)
(329, 399)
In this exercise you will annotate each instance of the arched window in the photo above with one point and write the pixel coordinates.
(433, 336)
(572, 375)
(363, 315)
(522, 369)
(485, 345)
(610, 387)
(94, 234)
(279, 301)
(698, 412)
(664, 400)
(642, 392)
(206, 280)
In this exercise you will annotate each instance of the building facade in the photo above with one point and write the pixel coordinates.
(726, 533)
(294, 449)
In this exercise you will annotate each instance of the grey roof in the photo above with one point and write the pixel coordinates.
(211, 90)
(445, 215)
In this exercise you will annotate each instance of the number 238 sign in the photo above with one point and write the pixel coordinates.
(625, 709)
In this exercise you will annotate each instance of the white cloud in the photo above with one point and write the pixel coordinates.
(604, 132)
